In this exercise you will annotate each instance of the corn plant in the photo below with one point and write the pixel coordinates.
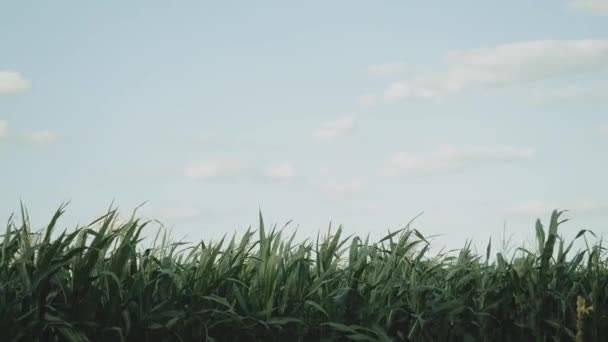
(101, 282)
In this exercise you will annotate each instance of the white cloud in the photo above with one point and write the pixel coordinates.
(572, 93)
(331, 131)
(448, 158)
(591, 6)
(280, 171)
(386, 69)
(368, 100)
(223, 167)
(503, 65)
(3, 130)
(213, 169)
(539, 208)
(533, 208)
(483, 153)
(12, 82)
(340, 188)
(411, 164)
(41, 137)
(413, 89)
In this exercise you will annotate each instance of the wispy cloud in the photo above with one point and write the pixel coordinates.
(331, 131)
(12, 82)
(533, 208)
(214, 168)
(447, 158)
(603, 130)
(280, 171)
(3, 130)
(368, 100)
(537, 207)
(223, 167)
(598, 7)
(337, 189)
(590, 93)
(503, 65)
(483, 153)
(41, 137)
(385, 69)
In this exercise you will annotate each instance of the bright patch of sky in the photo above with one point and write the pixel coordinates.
(482, 115)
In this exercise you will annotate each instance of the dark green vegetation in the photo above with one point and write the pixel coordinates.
(98, 283)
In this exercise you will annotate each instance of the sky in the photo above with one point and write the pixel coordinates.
(482, 116)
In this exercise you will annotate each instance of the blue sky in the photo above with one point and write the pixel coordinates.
(483, 115)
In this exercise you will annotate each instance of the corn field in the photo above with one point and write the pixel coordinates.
(101, 283)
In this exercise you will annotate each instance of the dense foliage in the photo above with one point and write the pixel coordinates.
(99, 283)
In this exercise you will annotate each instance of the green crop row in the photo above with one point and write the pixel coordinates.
(99, 283)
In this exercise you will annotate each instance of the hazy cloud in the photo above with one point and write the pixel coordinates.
(448, 158)
(226, 167)
(503, 65)
(385, 69)
(574, 93)
(367, 100)
(599, 7)
(331, 131)
(3, 130)
(538, 208)
(340, 188)
(483, 153)
(214, 168)
(280, 171)
(12, 82)
(41, 137)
